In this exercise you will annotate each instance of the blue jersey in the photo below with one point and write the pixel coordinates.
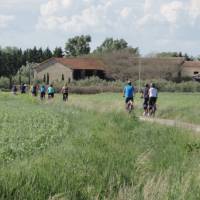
(42, 89)
(129, 91)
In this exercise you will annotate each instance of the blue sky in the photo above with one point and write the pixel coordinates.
(152, 25)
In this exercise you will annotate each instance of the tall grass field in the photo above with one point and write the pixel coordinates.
(90, 148)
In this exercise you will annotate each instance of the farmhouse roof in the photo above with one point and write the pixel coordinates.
(73, 63)
(191, 64)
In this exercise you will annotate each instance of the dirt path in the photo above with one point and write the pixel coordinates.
(175, 123)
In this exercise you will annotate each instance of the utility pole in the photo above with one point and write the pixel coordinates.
(139, 73)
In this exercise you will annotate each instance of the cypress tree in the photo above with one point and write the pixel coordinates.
(44, 78)
(47, 78)
(63, 77)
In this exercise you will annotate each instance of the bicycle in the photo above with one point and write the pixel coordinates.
(129, 106)
(50, 96)
(65, 97)
(152, 111)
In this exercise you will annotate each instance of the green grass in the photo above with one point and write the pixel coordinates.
(179, 106)
(81, 150)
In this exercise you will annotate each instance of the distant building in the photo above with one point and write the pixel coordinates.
(68, 69)
(191, 68)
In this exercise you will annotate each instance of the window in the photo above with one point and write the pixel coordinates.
(195, 73)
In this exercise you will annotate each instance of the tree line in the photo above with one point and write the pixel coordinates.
(14, 60)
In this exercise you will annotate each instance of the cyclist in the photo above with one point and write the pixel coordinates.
(153, 95)
(146, 99)
(42, 92)
(23, 88)
(50, 92)
(34, 90)
(128, 93)
(14, 89)
(65, 92)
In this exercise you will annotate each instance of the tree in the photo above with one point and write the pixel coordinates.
(79, 45)
(63, 77)
(58, 52)
(110, 44)
(47, 78)
(26, 73)
(180, 54)
(47, 54)
(188, 58)
(11, 61)
(44, 78)
(167, 54)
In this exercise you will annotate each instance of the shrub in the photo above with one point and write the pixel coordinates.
(4, 83)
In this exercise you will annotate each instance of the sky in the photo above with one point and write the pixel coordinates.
(152, 25)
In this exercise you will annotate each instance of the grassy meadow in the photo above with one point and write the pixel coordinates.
(89, 148)
(178, 106)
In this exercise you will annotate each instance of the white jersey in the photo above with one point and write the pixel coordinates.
(153, 92)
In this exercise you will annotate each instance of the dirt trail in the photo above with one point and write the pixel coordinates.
(175, 123)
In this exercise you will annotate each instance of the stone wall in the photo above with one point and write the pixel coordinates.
(55, 71)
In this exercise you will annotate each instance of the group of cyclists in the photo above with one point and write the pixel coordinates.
(149, 94)
(42, 90)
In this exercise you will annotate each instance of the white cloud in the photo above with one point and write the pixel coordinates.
(7, 4)
(171, 11)
(148, 4)
(50, 8)
(53, 16)
(5, 20)
(54, 6)
(148, 18)
(145, 23)
(194, 9)
(125, 12)
(66, 3)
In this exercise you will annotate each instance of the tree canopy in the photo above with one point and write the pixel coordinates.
(175, 54)
(110, 45)
(77, 46)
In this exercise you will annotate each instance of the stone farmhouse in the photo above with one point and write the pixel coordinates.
(69, 69)
(191, 68)
(171, 66)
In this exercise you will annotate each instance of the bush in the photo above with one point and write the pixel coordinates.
(91, 85)
(169, 86)
(95, 85)
(4, 83)
(94, 89)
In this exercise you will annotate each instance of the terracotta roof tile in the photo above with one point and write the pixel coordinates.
(82, 63)
(74, 63)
